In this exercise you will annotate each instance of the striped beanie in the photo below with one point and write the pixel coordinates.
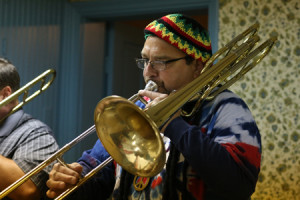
(184, 33)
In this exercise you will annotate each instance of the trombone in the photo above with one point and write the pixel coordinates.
(58, 155)
(131, 135)
(41, 79)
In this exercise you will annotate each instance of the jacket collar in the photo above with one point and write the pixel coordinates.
(10, 123)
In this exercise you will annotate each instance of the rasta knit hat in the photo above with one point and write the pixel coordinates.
(184, 33)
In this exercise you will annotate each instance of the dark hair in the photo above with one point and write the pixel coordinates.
(9, 75)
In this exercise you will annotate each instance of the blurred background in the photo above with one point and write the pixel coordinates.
(92, 46)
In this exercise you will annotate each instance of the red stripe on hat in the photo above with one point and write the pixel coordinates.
(184, 34)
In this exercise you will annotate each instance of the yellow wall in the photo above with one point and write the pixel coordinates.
(271, 89)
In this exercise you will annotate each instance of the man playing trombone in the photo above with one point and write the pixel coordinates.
(214, 154)
(24, 141)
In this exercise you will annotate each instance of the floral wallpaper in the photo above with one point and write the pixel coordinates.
(271, 89)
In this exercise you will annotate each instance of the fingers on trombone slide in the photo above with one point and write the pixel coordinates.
(62, 177)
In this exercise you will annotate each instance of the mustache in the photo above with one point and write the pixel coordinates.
(160, 85)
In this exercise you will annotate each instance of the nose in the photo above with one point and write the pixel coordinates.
(149, 71)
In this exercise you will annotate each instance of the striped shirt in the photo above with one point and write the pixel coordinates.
(28, 142)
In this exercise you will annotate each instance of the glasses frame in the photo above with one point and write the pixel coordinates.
(143, 62)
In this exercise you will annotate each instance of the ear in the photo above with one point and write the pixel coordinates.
(199, 66)
(5, 92)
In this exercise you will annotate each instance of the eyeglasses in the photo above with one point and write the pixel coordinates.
(158, 65)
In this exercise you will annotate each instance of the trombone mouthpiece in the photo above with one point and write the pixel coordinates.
(151, 86)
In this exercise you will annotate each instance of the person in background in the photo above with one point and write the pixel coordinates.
(215, 154)
(25, 141)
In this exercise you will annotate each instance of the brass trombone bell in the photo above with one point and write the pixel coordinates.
(133, 139)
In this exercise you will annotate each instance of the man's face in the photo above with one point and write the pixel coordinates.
(4, 93)
(177, 73)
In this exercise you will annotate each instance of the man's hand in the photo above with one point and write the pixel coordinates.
(154, 96)
(62, 178)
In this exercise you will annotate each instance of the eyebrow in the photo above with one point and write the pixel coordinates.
(164, 57)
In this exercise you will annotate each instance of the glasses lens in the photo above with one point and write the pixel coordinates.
(141, 63)
(158, 65)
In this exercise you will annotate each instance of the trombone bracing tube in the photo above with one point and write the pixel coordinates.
(25, 89)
